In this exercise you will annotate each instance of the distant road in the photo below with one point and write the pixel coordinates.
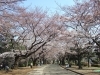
(51, 69)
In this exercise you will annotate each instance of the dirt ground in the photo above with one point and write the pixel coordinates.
(19, 71)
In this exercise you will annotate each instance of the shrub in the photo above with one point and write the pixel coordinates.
(95, 65)
(84, 63)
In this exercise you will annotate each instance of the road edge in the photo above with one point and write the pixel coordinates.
(71, 70)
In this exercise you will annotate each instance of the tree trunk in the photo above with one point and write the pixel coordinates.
(53, 62)
(57, 61)
(44, 61)
(88, 60)
(34, 62)
(16, 61)
(79, 61)
(60, 62)
(27, 61)
(63, 61)
(69, 60)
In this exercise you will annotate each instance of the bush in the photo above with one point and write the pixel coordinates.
(21, 65)
(84, 63)
(95, 65)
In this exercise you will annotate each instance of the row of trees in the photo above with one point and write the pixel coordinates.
(28, 30)
(46, 37)
(84, 19)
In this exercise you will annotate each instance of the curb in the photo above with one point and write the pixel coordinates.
(72, 70)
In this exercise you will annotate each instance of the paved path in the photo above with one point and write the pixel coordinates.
(51, 70)
(37, 71)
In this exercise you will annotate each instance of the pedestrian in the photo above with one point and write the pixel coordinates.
(1, 66)
(67, 65)
(31, 65)
(7, 68)
(12, 66)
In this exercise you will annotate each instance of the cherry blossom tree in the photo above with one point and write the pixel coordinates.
(34, 29)
(83, 18)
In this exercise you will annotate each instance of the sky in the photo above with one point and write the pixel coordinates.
(50, 5)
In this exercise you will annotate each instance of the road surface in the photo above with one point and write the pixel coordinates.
(51, 69)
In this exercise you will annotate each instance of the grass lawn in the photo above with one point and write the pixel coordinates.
(19, 71)
(86, 70)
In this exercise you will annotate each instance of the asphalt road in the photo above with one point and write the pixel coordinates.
(51, 69)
